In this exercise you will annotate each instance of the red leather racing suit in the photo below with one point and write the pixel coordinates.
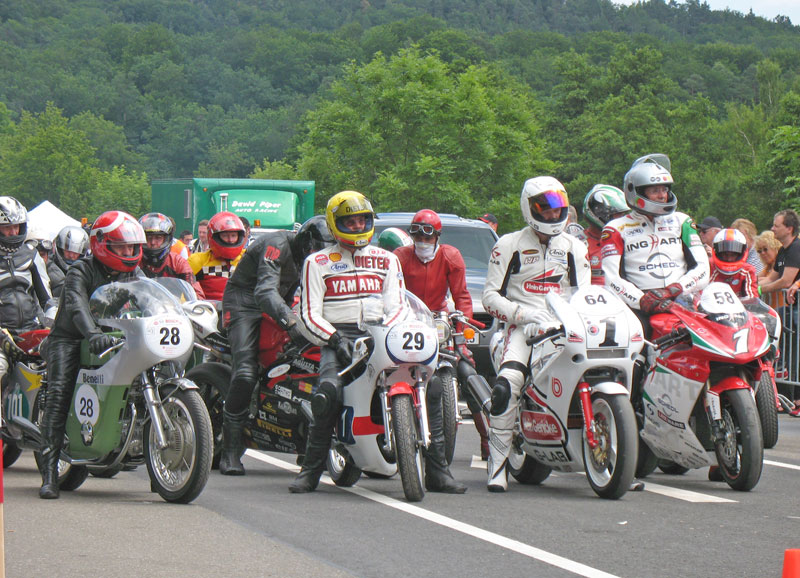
(430, 281)
(743, 281)
(594, 245)
(174, 266)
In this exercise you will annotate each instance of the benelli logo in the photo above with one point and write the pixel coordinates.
(92, 379)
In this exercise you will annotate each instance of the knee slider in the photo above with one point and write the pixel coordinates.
(501, 393)
(325, 400)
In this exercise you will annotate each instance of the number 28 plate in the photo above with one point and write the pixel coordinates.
(169, 336)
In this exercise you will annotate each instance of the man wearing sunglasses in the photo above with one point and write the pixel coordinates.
(430, 269)
(523, 268)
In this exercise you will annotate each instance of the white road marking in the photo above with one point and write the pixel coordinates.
(468, 529)
(782, 465)
(686, 495)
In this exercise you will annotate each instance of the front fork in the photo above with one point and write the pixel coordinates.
(155, 408)
(420, 407)
(585, 393)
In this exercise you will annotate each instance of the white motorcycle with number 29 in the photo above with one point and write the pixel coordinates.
(574, 411)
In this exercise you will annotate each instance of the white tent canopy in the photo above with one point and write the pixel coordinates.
(46, 220)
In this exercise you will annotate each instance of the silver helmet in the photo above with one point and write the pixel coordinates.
(649, 170)
(70, 238)
(12, 212)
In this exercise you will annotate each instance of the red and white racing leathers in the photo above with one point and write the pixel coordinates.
(335, 281)
(642, 253)
(522, 271)
(743, 281)
(594, 246)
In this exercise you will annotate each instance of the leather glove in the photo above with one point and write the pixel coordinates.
(295, 334)
(466, 354)
(99, 342)
(652, 299)
(343, 347)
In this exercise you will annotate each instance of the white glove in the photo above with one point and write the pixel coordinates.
(524, 315)
(543, 322)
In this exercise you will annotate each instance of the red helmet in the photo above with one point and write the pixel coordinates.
(115, 229)
(426, 222)
(729, 251)
(225, 222)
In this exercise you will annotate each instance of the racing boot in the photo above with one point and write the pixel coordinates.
(319, 442)
(48, 462)
(480, 426)
(497, 465)
(230, 463)
(437, 475)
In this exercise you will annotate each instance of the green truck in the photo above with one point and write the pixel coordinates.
(267, 204)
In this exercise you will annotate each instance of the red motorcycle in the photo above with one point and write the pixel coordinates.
(696, 406)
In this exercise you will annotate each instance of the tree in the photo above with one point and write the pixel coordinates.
(410, 133)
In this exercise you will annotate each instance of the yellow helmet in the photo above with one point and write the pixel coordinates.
(347, 204)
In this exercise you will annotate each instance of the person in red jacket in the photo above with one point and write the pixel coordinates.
(158, 258)
(729, 263)
(430, 269)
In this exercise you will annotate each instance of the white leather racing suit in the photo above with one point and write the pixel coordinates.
(521, 272)
(334, 281)
(642, 253)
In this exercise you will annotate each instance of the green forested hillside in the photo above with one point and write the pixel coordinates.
(445, 103)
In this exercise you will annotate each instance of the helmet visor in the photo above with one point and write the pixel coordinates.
(550, 201)
(354, 224)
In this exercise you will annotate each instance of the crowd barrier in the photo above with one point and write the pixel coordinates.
(786, 369)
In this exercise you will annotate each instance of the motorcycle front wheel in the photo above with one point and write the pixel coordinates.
(740, 453)
(767, 410)
(409, 453)
(610, 465)
(179, 472)
(213, 379)
(449, 412)
(343, 473)
(11, 453)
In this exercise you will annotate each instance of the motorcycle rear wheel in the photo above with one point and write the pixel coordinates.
(671, 468)
(741, 454)
(180, 471)
(213, 381)
(11, 453)
(409, 453)
(341, 470)
(611, 465)
(449, 412)
(767, 410)
(525, 469)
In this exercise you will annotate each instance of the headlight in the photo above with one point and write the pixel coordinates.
(442, 331)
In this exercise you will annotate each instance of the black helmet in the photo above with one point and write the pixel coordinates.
(312, 236)
(157, 224)
(13, 213)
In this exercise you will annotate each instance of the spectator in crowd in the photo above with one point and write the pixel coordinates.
(767, 247)
(490, 220)
(748, 229)
(186, 237)
(177, 246)
(707, 230)
(200, 244)
(786, 271)
(247, 238)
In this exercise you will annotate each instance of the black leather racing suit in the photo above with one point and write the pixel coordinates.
(57, 275)
(73, 323)
(24, 288)
(265, 281)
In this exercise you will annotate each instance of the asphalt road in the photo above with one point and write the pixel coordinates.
(679, 526)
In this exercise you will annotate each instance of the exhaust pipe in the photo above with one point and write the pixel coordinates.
(481, 391)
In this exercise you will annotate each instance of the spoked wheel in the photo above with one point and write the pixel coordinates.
(11, 453)
(524, 468)
(179, 472)
(767, 410)
(69, 477)
(409, 452)
(213, 379)
(340, 467)
(449, 412)
(611, 464)
(741, 453)
(671, 468)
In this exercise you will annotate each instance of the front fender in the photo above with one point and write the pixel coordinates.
(611, 388)
(730, 382)
(400, 388)
(179, 383)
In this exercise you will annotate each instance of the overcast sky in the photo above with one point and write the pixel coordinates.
(769, 9)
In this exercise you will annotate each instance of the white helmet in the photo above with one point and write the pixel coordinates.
(646, 171)
(541, 194)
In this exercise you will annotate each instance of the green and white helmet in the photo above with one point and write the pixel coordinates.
(604, 203)
(392, 238)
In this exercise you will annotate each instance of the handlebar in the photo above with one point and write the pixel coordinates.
(672, 338)
(458, 316)
(550, 333)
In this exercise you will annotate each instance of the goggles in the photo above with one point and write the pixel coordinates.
(421, 229)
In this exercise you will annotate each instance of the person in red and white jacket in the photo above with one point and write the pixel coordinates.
(729, 263)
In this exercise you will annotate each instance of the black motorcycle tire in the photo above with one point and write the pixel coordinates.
(188, 456)
(341, 469)
(611, 472)
(11, 453)
(107, 473)
(449, 412)
(525, 469)
(213, 379)
(767, 410)
(741, 454)
(409, 453)
(646, 462)
(671, 468)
